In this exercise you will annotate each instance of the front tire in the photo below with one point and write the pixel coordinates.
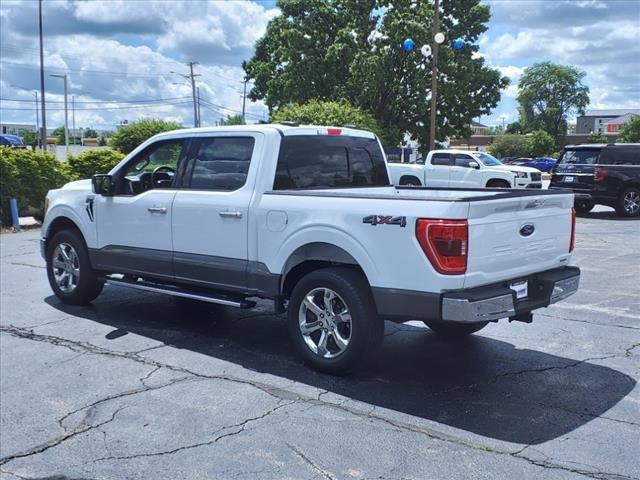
(332, 319)
(629, 202)
(69, 270)
(583, 207)
(455, 330)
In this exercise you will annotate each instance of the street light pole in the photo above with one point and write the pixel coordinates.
(434, 75)
(66, 115)
(43, 133)
(244, 101)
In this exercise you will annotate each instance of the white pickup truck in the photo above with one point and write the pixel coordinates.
(463, 169)
(307, 216)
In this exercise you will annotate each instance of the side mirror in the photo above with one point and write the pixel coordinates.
(473, 164)
(103, 184)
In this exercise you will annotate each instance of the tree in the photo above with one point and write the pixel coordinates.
(630, 131)
(90, 162)
(29, 138)
(128, 137)
(335, 50)
(90, 133)
(232, 120)
(540, 143)
(495, 130)
(510, 145)
(597, 138)
(515, 127)
(59, 134)
(328, 113)
(548, 94)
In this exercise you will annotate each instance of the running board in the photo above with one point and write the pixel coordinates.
(221, 299)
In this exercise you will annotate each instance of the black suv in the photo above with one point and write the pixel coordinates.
(603, 174)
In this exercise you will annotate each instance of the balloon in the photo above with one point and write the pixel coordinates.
(439, 37)
(408, 45)
(458, 43)
(425, 50)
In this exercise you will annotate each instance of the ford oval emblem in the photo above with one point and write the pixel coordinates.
(527, 229)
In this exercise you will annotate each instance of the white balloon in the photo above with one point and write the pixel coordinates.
(439, 38)
(425, 50)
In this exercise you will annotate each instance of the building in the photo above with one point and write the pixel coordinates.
(594, 121)
(613, 126)
(478, 128)
(16, 128)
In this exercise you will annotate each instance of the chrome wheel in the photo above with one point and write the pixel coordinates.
(325, 322)
(631, 202)
(66, 267)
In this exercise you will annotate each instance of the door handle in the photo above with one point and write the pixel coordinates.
(229, 214)
(157, 209)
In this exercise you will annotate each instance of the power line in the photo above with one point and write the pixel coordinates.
(126, 107)
(100, 101)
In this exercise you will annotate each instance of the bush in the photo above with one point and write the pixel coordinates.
(90, 162)
(630, 131)
(536, 144)
(27, 176)
(597, 138)
(128, 137)
(328, 113)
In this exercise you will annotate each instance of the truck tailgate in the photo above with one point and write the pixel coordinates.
(514, 237)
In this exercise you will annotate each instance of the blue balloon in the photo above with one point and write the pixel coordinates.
(408, 45)
(458, 43)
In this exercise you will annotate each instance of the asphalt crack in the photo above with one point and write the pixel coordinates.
(314, 466)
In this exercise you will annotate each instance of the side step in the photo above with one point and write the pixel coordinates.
(221, 299)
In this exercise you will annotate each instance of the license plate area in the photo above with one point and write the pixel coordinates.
(521, 287)
(569, 179)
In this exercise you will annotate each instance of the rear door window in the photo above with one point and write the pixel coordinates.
(319, 161)
(221, 163)
(620, 156)
(587, 156)
(440, 159)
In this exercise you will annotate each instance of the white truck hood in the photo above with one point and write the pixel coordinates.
(517, 168)
(78, 185)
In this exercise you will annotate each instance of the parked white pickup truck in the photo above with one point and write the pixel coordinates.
(463, 169)
(307, 216)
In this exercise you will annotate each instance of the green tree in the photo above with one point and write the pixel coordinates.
(59, 134)
(328, 113)
(540, 144)
(232, 120)
(630, 131)
(29, 138)
(597, 138)
(510, 145)
(548, 94)
(515, 127)
(128, 137)
(325, 50)
(90, 133)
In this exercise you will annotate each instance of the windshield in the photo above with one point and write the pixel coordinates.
(579, 157)
(488, 160)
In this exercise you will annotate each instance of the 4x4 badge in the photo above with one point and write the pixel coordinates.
(385, 220)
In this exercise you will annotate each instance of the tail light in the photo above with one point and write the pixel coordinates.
(445, 243)
(572, 241)
(600, 175)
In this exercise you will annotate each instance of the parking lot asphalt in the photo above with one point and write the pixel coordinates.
(140, 386)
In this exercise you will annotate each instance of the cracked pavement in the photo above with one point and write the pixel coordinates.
(141, 386)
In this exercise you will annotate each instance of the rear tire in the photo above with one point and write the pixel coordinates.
(454, 330)
(333, 321)
(498, 184)
(629, 202)
(69, 270)
(410, 182)
(583, 207)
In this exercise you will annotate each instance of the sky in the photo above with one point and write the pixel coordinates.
(119, 55)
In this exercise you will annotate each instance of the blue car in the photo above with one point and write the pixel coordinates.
(544, 164)
(12, 141)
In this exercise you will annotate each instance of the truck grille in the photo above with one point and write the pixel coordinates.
(535, 177)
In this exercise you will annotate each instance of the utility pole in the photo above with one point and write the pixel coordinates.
(193, 91)
(66, 115)
(199, 117)
(43, 133)
(244, 101)
(37, 116)
(434, 76)
(73, 117)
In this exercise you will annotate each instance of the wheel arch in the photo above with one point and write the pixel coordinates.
(405, 178)
(58, 224)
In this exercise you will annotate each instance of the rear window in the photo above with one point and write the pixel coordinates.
(579, 157)
(318, 161)
(620, 156)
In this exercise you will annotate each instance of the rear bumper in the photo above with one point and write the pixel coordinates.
(481, 304)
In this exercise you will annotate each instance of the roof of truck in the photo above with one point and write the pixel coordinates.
(286, 130)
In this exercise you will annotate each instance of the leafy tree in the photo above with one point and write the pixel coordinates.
(29, 138)
(515, 127)
(597, 138)
(90, 133)
(540, 143)
(496, 130)
(128, 137)
(630, 131)
(59, 134)
(90, 162)
(232, 120)
(334, 50)
(548, 94)
(328, 113)
(510, 145)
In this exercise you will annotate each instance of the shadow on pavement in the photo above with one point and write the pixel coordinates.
(607, 215)
(479, 384)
